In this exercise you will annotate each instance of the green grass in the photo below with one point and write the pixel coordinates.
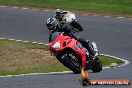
(101, 6)
(23, 58)
(106, 61)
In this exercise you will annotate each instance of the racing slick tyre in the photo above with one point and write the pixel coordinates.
(96, 65)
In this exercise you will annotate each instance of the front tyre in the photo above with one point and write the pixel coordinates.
(71, 61)
(96, 65)
(77, 25)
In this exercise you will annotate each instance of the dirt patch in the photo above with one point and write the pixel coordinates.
(18, 58)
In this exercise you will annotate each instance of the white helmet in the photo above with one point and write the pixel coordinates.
(58, 11)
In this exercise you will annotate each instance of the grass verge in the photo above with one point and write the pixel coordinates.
(23, 58)
(99, 6)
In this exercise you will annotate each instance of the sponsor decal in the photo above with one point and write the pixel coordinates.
(110, 82)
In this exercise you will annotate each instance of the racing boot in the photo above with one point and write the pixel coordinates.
(95, 50)
(89, 48)
(85, 43)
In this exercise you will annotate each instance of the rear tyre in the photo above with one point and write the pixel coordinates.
(96, 65)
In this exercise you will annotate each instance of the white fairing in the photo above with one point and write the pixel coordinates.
(69, 17)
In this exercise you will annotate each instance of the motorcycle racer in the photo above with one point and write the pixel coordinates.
(54, 26)
(68, 17)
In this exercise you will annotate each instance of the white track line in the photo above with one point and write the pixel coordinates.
(34, 42)
(33, 74)
(25, 8)
(120, 17)
(15, 7)
(46, 44)
(64, 72)
(12, 39)
(126, 62)
(41, 44)
(26, 41)
(2, 6)
(2, 38)
(18, 40)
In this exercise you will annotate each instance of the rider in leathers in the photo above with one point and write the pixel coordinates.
(67, 29)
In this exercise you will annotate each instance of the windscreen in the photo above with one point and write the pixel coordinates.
(54, 36)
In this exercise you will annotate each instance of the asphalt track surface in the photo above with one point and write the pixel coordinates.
(112, 35)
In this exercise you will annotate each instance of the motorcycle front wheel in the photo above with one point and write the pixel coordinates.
(71, 61)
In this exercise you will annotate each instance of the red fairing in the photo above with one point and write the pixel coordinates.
(62, 42)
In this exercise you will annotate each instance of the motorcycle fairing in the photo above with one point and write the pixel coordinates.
(68, 42)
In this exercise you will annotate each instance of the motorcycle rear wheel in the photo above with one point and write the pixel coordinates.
(96, 65)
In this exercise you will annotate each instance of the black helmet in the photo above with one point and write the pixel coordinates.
(52, 24)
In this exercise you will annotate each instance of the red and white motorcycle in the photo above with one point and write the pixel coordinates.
(72, 54)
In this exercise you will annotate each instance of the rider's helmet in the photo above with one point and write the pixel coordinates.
(52, 24)
(58, 11)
